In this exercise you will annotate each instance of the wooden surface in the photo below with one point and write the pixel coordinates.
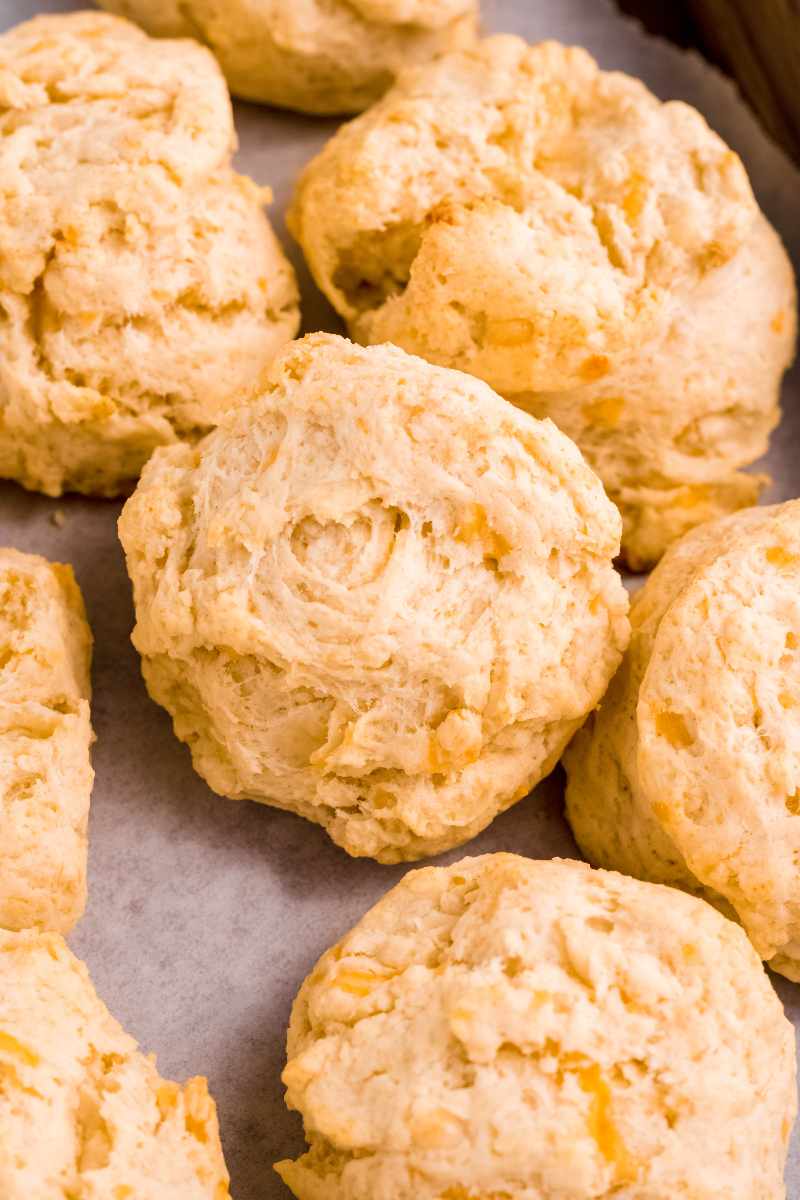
(755, 41)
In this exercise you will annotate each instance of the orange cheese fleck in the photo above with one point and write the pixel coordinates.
(778, 556)
(601, 1124)
(672, 726)
(11, 1045)
(594, 367)
(606, 411)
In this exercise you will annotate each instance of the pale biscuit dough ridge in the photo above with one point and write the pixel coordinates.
(378, 596)
(595, 255)
(668, 430)
(322, 56)
(45, 735)
(142, 290)
(533, 1030)
(689, 772)
(84, 1115)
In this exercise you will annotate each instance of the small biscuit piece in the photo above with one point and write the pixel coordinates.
(539, 1031)
(379, 596)
(45, 734)
(142, 290)
(321, 56)
(83, 1113)
(689, 773)
(594, 255)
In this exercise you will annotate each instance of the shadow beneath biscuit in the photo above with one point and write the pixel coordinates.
(257, 1129)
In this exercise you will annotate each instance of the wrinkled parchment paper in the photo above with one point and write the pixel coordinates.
(204, 914)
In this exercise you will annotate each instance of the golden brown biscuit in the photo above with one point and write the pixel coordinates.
(320, 56)
(83, 1113)
(379, 596)
(142, 291)
(594, 255)
(689, 773)
(45, 734)
(539, 1031)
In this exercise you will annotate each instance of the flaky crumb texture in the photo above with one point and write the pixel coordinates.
(142, 290)
(539, 1031)
(379, 596)
(83, 1114)
(593, 254)
(321, 56)
(689, 773)
(45, 734)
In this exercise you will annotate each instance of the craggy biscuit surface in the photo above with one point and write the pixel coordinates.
(319, 56)
(142, 290)
(539, 1031)
(378, 596)
(668, 429)
(83, 1114)
(515, 212)
(45, 734)
(689, 772)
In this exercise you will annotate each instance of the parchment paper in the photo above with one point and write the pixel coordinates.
(204, 914)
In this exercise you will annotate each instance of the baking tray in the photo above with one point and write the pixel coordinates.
(205, 914)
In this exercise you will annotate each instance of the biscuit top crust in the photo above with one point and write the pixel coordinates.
(45, 735)
(393, 536)
(506, 1027)
(141, 286)
(411, 572)
(517, 212)
(83, 1113)
(427, 14)
(718, 713)
(84, 98)
(45, 642)
(295, 25)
